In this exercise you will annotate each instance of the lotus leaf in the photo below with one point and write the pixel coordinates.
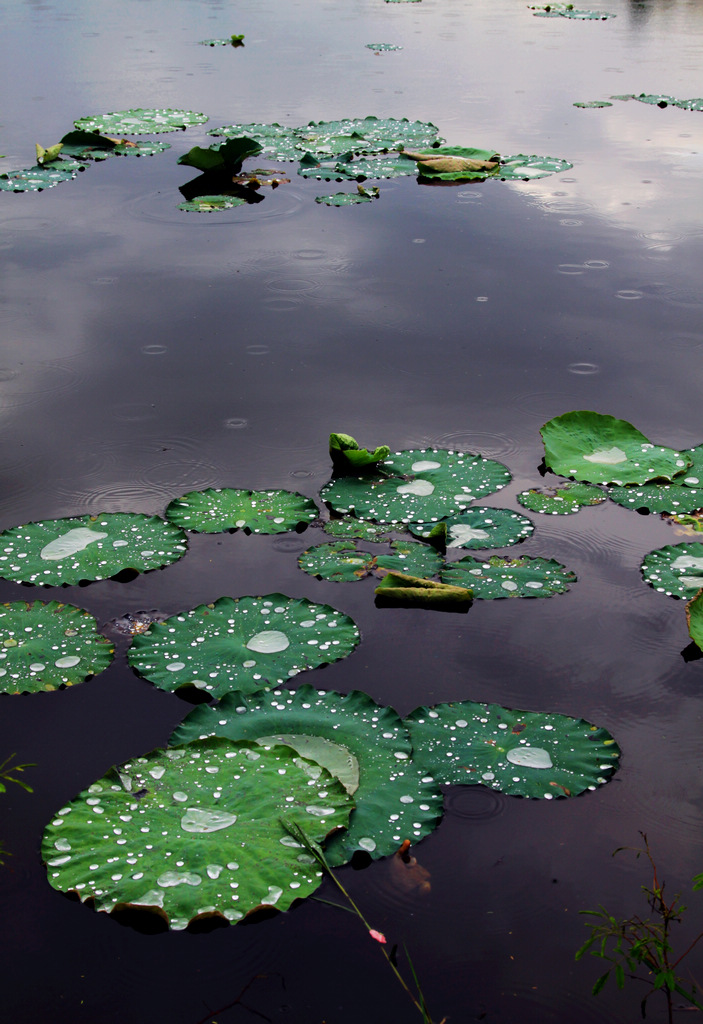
(509, 577)
(91, 146)
(221, 156)
(277, 142)
(480, 527)
(521, 167)
(398, 590)
(593, 104)
(211, 204)
(569, 11)
(194, 832)
(563, 500)
(347, 527)
(521, 753)
(382, 47)
(244, 643)
(227, 508)
(394, 800)
(455, 163)
(35, 179)
(663, 101)
(417, 486)
(47, 156)
(604, 450)
(47, 646)
(345, 452)
(351, 168)
(675, 570)
(234, 40)
(66, 551)
(342, 561)
(685, 494)
(349, 198)
(140, 121)
(694, 618)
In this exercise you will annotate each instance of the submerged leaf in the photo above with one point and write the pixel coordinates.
(675, 570)
(593, 104)
(151, 835)
(382, 47)
(228, 508)
(140, 121)
(498, 577)
(395, 800)
(244, 643)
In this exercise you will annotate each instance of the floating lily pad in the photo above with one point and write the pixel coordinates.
(276, 140)
(417, 486)
(480, 527)
(140, 121)
(562, 500)
(569, 11)
(211, 204)
(593, 104)
(35, 179)
(91, 146)
(604, 450)
(391, 165)
(244, 643)
(497, 577)
(228, 508)
(521, 753)
(342, 561)
(194, 832)
(521, 167)
(394, 800)
(66, 551)
(675, 570)
(659, 100)
(47, 646)
(685, 494)
(234, 40)
(349, 198)
(348, 527)
(455, 163)
(382, 47)
(694, 618)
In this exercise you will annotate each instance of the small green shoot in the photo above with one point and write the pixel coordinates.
(237, 40)
(6, 770)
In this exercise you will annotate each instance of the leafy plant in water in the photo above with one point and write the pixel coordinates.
(225, 156)
(8, 774)
(477, 527)
(362, 195)
(640, 948)
(498, 577)
(228, 508)
(675, 570)
(35, 179)
(347, 527)
(694, 618)
(658, 100)
(684, 494)
(140, 121)
(563, 500)
(342, 561)
(211, 204)
(455, 163)
(345, 453)
(560, 10)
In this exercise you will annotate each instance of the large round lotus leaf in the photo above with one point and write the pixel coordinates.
(35, 179)
(348, 527)
(195, 831)
(509, 577)
(675, 570)
(481, 527)
(244, 643)
(227, 508)
(91, 146)
(342, 561)
(211, 204)
(396, 799)
(521, 753)
(684, 495)
(694, 617)
(65, 551)
(140, 121)
(416, 486)
(604, 450)
(45, 646)
(351, 168)
(563, 500)
(521, 166)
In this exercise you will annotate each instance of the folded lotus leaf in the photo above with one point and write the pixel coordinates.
(243, 643)
(66, 551)
(521, 753)
(563, 500)
(479, 527)
(456, 163)
(140, 121)
(498, 577)
(345, 450)
(604, 450)
(223, 155)
(395, 800)
(398, 589)
(194, 831)
(416, 486)
(48, 646)
(675, 570)
(227, 508)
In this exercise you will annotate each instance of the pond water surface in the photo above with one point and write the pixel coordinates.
(147, 352)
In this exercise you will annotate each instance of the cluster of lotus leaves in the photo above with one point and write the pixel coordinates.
(227, 508)
(660, 100)
(54, 552)
(343, 562)
(563, 500)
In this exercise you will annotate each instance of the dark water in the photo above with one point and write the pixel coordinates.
(147, 352)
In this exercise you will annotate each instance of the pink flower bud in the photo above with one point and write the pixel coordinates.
(378, 936)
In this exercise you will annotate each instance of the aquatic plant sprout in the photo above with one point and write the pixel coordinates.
(228, 508)
(54, 552)
(520, 753)
(342, 561)
(498, 577)
(563, 500)
(48, 646)
(243, 643)
(140, 121)
(194, 831)
(675, 570)
(395, 799)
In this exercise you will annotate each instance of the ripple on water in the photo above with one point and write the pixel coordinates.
(24, 386)
(583, 369)
(492, 445)
(473, 803)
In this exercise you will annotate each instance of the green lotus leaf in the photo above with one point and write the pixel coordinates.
(276, 141)
(66, 551)
(521, 753)
(211, 204)
(348, 198)
(221, 156)
(382, 47)
(694, 618)
(228, 508)
(521, 167)
(659, 100)
(417, 486)
(394, 801)
(91, 146)
(47, 646)
(685, 494)
(593, 104)
(35, 179)
(140, 121)
(351, 168)
(342, 561)
(562, 500)
(345, 452)
(194, 832)
(244, 643)
(480, 527)
(604, 450)
(234, 40)
(348, 527)
(509, 577)
(675, 570)
(455, 163)
(569, 11)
